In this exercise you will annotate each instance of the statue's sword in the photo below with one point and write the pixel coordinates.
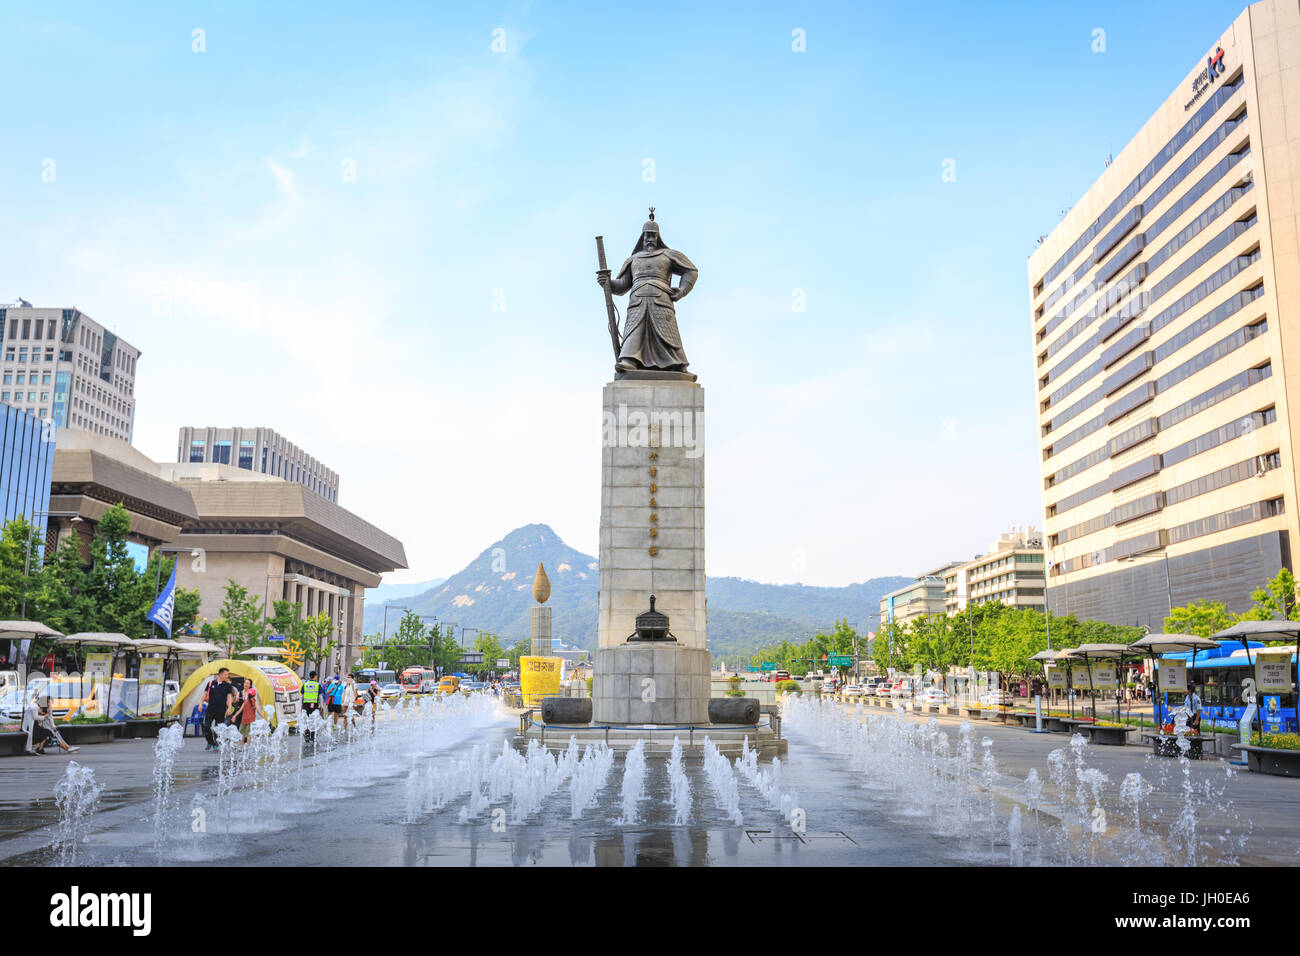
(609, 298)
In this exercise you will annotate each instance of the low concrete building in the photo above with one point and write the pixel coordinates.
(276, 538)
(93, 472)
(259, 450)
(1012, 572)
(281, 541)
(923, 596)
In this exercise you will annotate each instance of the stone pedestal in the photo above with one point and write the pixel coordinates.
(652, 509)
(651, 683)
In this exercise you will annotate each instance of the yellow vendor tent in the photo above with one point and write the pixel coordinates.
(278, 687)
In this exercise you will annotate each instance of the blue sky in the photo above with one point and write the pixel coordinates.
(308, 226)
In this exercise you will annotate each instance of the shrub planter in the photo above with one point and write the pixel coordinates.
(1269, 760)
(79, 734)
(1166, 745)
(1056, 725)
(13, 744)
(143, 727)
(1108, 736)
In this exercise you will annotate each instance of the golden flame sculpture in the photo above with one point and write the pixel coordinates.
(541, 585)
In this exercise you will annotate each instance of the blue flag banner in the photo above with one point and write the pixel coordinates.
(161, 612)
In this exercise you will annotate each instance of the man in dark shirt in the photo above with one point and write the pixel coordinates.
(219, 699)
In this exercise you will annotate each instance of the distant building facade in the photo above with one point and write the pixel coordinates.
(276, 538)
(923, 596)
(26, 461)
(1013, 572)
(260, 450)
(1165, 315)
(60, 364)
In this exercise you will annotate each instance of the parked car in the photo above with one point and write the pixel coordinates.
(853, 690)
(996, 698)
(933, 695)
(12, 704)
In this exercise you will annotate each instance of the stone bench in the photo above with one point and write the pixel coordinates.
(1056, 725)
(1270, 760)
(1106, 736)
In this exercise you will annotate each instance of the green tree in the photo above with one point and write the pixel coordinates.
(518, 650)
(1204, 619)
(889, 647)
(446, 649)
(244, 623)
(491, 650)
(1276, 600)
(1006, 642)
(185, 611)
(18, 552)
(322, 637)
(60, 592)
(117, 589)
(287, 621)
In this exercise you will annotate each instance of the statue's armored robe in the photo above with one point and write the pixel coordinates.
(650, 336)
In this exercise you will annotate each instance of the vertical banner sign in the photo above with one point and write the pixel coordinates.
(1103, 676)
(1271, 714)
(1056, 677)
(1080, 679)
(98, 669)
(151, 680)
(1273, 672)
(1172, 676)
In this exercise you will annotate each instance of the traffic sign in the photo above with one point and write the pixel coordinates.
(769, 665)
(840, 660)
(751, 667)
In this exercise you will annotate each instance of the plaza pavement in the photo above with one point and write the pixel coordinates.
(1268, 803)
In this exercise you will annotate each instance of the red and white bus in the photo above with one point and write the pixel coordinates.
(416, 680)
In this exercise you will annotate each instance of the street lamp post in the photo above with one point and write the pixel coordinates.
(391, 607)
(463, 630)
(27, 561)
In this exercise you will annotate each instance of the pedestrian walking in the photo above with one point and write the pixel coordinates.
(1193, 705)
(334, 694)
(220, 700)
(311, 692)
(351, 705)
(250, 708)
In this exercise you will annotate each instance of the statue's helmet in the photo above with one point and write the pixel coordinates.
(650, 226)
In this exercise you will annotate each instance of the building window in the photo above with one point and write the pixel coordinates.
(197, 450)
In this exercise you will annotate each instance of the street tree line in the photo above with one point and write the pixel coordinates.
(418, 644)
(1275, 600)
(59, 589)
(994, 637)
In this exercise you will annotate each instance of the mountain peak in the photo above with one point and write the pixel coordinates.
(494, 593)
